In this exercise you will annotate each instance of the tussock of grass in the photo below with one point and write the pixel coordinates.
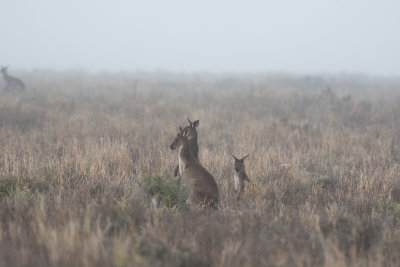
(326, 182)
(165, 191)
(9, 184)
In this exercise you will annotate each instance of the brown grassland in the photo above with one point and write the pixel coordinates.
(82, 155)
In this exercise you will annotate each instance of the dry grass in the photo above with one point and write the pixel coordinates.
(325, 165)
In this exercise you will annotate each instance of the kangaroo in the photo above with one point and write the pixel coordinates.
(240, 175)
(191, 133)
(12, 83)
(204, 189)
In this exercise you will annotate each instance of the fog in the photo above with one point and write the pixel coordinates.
(309, 36)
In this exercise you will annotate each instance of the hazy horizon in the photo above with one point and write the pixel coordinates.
(307, 37)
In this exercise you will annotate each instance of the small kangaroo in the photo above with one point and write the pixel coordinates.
(12, 83)
(204, 189)
(240, 175)
(191, 133)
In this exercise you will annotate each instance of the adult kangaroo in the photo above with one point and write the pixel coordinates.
(191, 133)
(203, 188)
(12, 83)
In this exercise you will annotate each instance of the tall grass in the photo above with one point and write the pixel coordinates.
(82, 157)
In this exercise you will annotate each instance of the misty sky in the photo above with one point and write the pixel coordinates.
(297, 36)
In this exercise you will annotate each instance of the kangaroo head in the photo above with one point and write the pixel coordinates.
(190, 130)
(179, 140)
(239, 163)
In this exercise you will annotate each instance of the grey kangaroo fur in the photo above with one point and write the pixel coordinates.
(191, 133)
(203, 187)
(240, 175)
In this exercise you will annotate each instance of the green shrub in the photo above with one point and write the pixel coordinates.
(167, 191)
(7, 185)
(11, 183)
(326, 182)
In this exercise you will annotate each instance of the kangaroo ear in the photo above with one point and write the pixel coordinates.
(181, 130)
(196, 123)
(245, 157)
(234, 157)
(190, 122)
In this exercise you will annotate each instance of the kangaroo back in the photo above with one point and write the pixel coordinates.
(204, 187)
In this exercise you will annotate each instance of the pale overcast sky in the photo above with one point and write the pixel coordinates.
(296, 36)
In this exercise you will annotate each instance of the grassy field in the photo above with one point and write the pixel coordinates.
(81, 157)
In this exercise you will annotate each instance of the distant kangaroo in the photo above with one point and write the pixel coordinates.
(240, 175)
(204, 189)
(191, 133)
(12, 83)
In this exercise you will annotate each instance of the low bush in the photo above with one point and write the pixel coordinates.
(11, 183)
(165, 191)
